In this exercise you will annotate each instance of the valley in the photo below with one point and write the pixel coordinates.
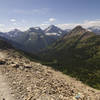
(29, 80)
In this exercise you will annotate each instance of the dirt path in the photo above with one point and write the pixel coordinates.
(5, 92)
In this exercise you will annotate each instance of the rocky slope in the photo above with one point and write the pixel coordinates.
(29, 80)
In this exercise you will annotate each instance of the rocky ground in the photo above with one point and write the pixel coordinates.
(32, 81)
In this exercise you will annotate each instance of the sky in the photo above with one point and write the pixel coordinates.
(23, 14)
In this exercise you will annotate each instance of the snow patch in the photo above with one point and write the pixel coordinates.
(52, 34)
(37, 28)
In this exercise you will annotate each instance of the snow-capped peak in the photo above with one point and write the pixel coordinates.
(53, 29)
(35, 29)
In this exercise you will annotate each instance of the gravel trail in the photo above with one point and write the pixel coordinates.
(5, 92)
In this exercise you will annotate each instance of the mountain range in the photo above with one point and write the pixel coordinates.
(76, 53)
(35, 39)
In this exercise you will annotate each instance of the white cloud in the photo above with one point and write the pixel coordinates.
(67, 26)
(85, 24)
(13, 20)
(43, 26)
(52, 19)
(91, 23)
(2, 25)
(47, 23)
(4, 28)
(20, 26)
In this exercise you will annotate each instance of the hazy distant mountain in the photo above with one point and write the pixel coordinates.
(4, 44)
(95, 29)
(14, 33)
(2, 34)
(34, 39)
(36, 30)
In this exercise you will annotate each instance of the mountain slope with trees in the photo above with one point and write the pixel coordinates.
(76, 54)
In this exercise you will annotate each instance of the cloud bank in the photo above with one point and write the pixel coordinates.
(15, 24)
(85, 24)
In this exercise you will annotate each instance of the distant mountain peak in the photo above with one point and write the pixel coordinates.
(78, 30)
(35, 29)
(53, 29)
(15, 30)
(53, 26)
(95, 29)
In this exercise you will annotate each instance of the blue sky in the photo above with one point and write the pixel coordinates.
(64, 13)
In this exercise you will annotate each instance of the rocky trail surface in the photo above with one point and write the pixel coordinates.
(22, 79)
(5, 92)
